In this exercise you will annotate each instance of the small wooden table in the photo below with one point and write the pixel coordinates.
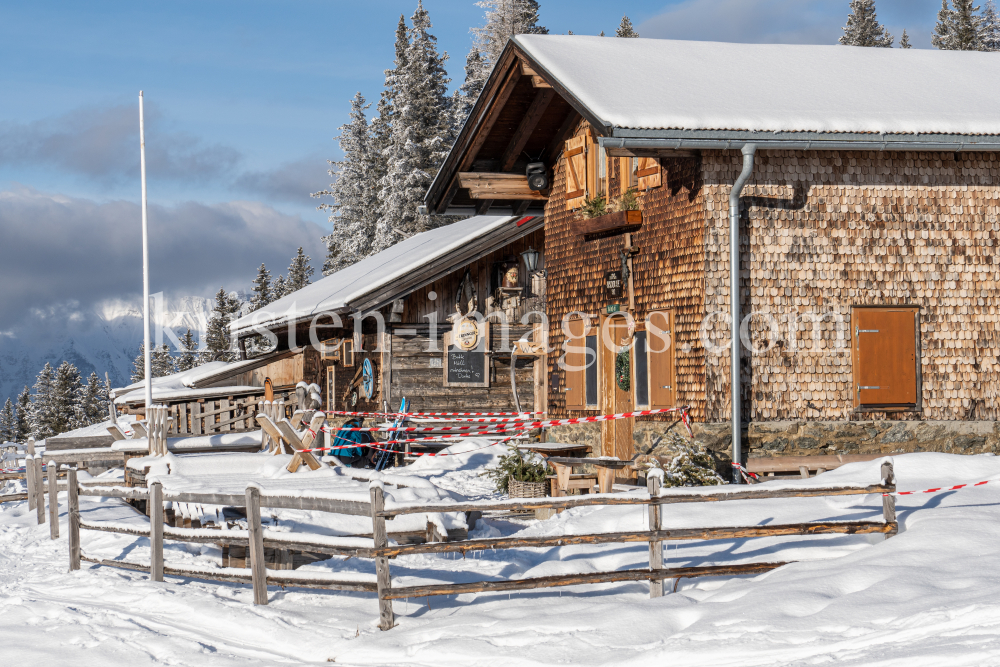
(549, 449)
(606, 468)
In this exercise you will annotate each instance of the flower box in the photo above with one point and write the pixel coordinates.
(608, 224)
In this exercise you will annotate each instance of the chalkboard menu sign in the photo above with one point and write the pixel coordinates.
(467, 368)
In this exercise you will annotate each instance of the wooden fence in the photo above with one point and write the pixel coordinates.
(255, 540)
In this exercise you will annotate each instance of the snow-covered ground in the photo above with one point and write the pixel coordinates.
(929, 596)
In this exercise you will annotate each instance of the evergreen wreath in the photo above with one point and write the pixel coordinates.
(623, 370)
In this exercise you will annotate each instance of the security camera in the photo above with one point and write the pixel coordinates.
(538, 177)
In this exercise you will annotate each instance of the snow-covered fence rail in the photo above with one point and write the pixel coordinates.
(655, 536)
(255, 539)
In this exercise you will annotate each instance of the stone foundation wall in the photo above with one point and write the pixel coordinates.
(801, 438)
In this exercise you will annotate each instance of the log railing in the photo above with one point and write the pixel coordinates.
(255, 539)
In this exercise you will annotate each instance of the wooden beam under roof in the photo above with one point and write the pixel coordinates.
(482, 132)
(483, 185)
(555, 148)
(650, 152)
(528, 124)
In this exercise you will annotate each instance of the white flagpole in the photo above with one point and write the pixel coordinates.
(148, 366)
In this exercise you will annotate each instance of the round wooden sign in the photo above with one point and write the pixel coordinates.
(268, 390)
(467, 334)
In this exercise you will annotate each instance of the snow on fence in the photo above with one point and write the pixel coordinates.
(255, 539)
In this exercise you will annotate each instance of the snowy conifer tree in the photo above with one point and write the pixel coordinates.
(65, 401)
(279, 288)
(261, 289)
(465, 96)
(420, 140)
(863, 28)
(299, 272)
(626, 29)
(990, 27)
(355, 190)
(22, 414)
(965, 31)
(189, 354)
(904, 41)
(42, 403)
(139, 365)
(93, 401)
(218, 343)
(504, 19)
(162, 362)
(959, 28)
(8, 423)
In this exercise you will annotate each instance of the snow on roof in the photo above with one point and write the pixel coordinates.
(177, 381)
(670, 84)
(179, 394)
(337, 291)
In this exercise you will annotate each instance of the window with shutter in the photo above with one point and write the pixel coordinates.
(659, 343)
(347, 353)
(580, 367)
(576, 171)
(885, 357)
(628, 173)
(640, 354)
(331, 399)
(648, 172)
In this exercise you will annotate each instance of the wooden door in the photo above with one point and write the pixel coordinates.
(616, 435)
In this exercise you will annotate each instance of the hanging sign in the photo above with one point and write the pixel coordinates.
(613, 284)
(367, 378)
(466, 333)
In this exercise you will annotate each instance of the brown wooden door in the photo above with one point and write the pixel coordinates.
(885, 356)
(616, 435)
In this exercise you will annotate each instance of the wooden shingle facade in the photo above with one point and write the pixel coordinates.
(869, 278)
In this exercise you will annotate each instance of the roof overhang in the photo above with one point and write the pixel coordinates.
(421, 276)
(623, 142)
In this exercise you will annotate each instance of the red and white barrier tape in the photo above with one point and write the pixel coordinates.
(431, 414)
(747, 475)
(941, 489)
(521, 426)
(396, 451)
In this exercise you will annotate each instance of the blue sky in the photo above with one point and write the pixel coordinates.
(242, 101)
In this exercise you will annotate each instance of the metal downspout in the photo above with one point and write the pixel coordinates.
(734, 300)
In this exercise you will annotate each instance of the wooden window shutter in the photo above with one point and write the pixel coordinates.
(347, 353)
(885, 356)
(331, 398)
(576, 171)
(576, 359)
(662, 375)
(648, 173)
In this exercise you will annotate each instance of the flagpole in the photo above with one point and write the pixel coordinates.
(147, 363)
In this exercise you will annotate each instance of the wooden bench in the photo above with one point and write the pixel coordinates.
(770, 465)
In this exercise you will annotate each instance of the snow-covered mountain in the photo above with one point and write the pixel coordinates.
(105, 338)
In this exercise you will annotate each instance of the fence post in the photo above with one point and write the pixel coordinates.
(39, 491)
(382, 577)
(655, 547)
(29, 478)
(888, 500)
(156, 531)
(258, 569)
(73, 515)
(53, 500)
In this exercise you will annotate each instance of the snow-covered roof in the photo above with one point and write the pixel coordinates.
(177, 381)
(184, 394)
(337, 291)
(658, 84)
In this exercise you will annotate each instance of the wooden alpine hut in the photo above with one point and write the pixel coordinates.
(850, 196)
(435, 319)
